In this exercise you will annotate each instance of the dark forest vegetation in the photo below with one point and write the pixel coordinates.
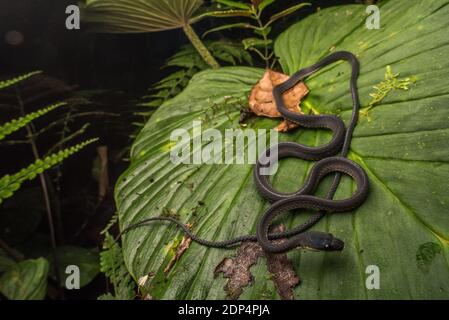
(81, 163)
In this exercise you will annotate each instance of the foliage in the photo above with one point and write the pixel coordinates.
(26, 280)
(188, 62)
(390, 83)
(10, 183)
(11, 82)
(21, 122)
(402, 148)
(113, 266)
(126, 16)
(253, 10)
(129, 16)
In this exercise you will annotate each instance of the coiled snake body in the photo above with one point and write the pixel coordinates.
(303, 198)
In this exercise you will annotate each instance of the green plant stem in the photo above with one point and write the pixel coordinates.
(260, 54)
(51, 224)
(265, 39)
(13, 142)
(56, 186)
(200, 47)
(43, 182)
(64, 139)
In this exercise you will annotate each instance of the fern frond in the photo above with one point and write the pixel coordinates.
(190, 63)
(113, 266)
(21, 122)
(111, 222)
(13, 81)
(11, 183)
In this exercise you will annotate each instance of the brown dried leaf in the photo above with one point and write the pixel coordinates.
(183, 246)
(261, 100)
(237, 270)
(282, 271)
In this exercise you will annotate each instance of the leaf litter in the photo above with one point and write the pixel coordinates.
(237, 270)
(261, 101)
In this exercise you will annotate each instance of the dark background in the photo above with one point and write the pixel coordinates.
(128, 62)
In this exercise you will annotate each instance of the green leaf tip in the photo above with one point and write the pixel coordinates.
(16, 124)
(13, 81)
(11, 183)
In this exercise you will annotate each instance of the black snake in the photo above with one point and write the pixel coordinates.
(303, 198)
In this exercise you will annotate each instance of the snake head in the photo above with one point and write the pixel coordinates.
(321, 241)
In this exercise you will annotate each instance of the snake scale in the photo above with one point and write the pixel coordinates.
(327, 163)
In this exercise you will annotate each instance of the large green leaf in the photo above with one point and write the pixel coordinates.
(126, 16)
(26, 280)
(403, 227)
